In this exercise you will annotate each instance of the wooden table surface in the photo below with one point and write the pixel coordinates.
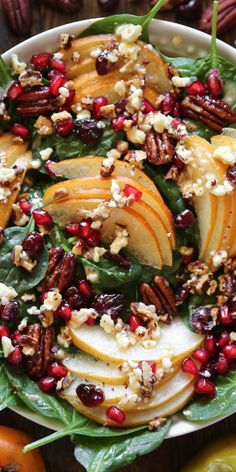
(174, 453)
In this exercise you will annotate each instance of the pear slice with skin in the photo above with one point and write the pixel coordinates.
(134, 419)
(175, 338)
(142, 240)
(6, 140)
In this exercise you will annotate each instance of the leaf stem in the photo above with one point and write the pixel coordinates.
(48, 439)
(153, 12)
(214, 34)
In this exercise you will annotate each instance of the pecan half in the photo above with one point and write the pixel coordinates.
(42, 339)
(209, 111)
(61, 269)
(35, 102)
(18, 14)
(226, 17)
(160, 148)
(160, 294)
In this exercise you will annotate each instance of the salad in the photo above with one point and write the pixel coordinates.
(117, 256)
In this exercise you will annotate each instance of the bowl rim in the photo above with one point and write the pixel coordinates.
(166, 31)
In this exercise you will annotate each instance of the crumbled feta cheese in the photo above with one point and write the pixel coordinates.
(64, 92)
(159, 121)
(107, 324)
(232, 336)
(129, 50)
(149, 344)
(7, 294)
(83, 115)
(114, 154)
(7, 174)
(129, 401)
(187, 413)
(220, 190)
(33, 310)
(180, 81)
(30, 78)
(128, 32)
(76, 57)
(58, 55)
(35, 164)
(136, 135)
(135, 101)
(167, 364)
(225, 155)
(46, 153)
(28, 297)
(64, 338)
(2, 108)
(95, 53)
(79, 317)
(185, 155)
(219, 258)
(108, 110)
(23, 324)
(44, 126)
(7, 346)
(53, 300)
(113, 56)
(17, 66)
(122, 340)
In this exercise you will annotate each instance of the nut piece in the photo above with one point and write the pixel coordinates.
(61, 269)
(18, 14)
(160, 294)
(226, 17)
(39, 341)
(159, 148)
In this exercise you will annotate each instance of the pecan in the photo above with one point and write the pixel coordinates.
(61, 269)
(159, 148)
(42, 340)
(68, 6)
(18, 14)
(209, 111)
(35, 102)
(160, 294)
(226, 17)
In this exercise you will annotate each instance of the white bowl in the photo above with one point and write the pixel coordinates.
(194, 44)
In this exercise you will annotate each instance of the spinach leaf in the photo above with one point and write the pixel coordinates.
(7, 397)
(110, 275)
(5, 76)
(224, 402)
(103, 455)
(199, 129)
(184, 65)
(108, 24)
(17, 277)
(189, 237)
(169, 272)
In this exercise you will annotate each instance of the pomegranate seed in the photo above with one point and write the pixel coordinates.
(129, 190)
(90, 321)
(47, 167)
(189, 367)
(97, 104)
(42, 217)
(229, 351)
(231, 174)
(16, 357)
(65, 312)
(32, 244)
(57, 64)
(4, 331)
(70, 98)
(223, 339)
(20, 130)
(181, 294)
(93, 238)
(175, 123)
(224, 315)
(46, 384)
(115, 414)
(135, 321)
(196, 88)
(117, 124)
(85, 228)
(56, 370)
(222, 365)
(16, 338)
(147, 107)
(168, 103)
(73, 229)
(40, 61)
(85, 288)
(152, 364)
(25, 206)
(53, 73)
(185, 219)
(210, 345)
(177, 111)
(90, 395)
(56, 83)
(201, 355)
(14, 91)
(204, 387)
(64, 127)
(214, 83)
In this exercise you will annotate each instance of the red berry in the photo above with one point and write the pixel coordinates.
(65, 312)
(229, 351)
(90, 395)
(56, 370)
(97, 104)
(46, 384)
(4, 331)
(135, 321)
(115, 414)
(168, 103)
(20, 130)
(94, 238)
(42, 217)
(73, 229)
(222, 365)
(204, 387)
(129, 190)
(189, 366)
(14, 91)
(117, 124)
(197, 87)
(25, 206)
(16, 357)
(56, 83)
(91, 321)
(147, 107)
(185, 219)
(201, 355)
(224, 316)
(224, 338)
(85, 228)
(64, 127)
(210, 345)
(32, 244)
(214, 83)
(40, 61)
(70, 98)
(57, 64)
(85, 288)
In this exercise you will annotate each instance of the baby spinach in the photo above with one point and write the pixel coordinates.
(7, 397)
(5, 76)
(105, 455)
(169, 272)
(199, 129)
(17, 277)
(107, 25)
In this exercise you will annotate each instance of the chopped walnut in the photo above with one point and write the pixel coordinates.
(157, 423)
(146, 312)
(21, 259)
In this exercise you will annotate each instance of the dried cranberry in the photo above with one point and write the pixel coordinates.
(190, 10)
(33, 244)
(108, 4)
(4, 331)
(97, 104)
(56, 370)
(197, 87)
(74, 298)
(135, 321)
(201, 320)
(11, 311)
(41, 60)
(129, 190)
(85, 288)
(117, 124)
(88, 131)
(103, 65)
(115, 414)
(109, 303)
(64, 127)
(20, 130)
(168, 103)
(14, 91)
(231, 174)
(214, 83)
(120, 106)
(46, 384)
(181, 294)
(201, 355)
(222, 365)
(208, 369)
(42, 217)
(25, 205)
(119, 259)
(189, 367)
(203, 386)
(185, 219)
(90, 395)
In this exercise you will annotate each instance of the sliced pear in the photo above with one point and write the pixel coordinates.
(175, 337)
(134, 419)
(6, 140)
(142, 241)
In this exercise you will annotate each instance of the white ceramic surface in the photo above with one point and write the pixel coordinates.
(194, 44)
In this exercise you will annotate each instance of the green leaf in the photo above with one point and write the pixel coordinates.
(199, 129)
(184, 65)
(108, 24)
(224, 402)
(7, 397)
(5, 76)
(169, 272)
(104, 455)
(17, 277)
